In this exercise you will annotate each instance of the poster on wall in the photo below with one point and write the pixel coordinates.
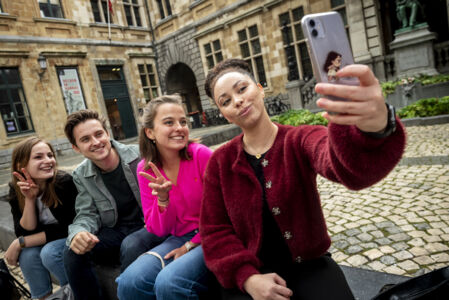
(71, 89)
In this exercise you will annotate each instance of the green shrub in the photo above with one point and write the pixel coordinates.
(389, 87)
(425, 108)
(300, 117)
(422, 108)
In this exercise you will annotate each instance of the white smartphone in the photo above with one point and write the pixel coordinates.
(328, 47)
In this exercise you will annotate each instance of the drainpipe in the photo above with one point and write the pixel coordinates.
(154, 42)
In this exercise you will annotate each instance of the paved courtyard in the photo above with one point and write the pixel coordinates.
(400, 225)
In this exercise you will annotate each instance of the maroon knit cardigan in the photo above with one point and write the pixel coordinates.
(231, 213)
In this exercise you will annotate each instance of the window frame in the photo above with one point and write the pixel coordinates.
(339, 8)
(252, 58)
(49, 6)
(165, 9)
(101, 10)
(298, 44)
(150, 87)
(213, 53)
(137, 22)
(4, 85)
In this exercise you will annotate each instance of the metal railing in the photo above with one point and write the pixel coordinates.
(308, 93)
(275, 105)
(214, 117)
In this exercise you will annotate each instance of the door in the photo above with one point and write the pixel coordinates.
(118, 105)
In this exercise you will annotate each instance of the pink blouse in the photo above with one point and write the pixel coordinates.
(181, 216)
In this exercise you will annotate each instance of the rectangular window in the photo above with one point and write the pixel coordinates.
(50, 8)
(1, 8)
(132, 12)
(149, 81)
(251, 51)
(164, 8)
(100, 11)
(340, 7)
(298, 61)
(71, 89)
(213, 53)
(13, 105)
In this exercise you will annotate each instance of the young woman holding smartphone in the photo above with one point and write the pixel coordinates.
(263, 230)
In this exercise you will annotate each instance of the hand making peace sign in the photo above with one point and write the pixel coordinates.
(159, 185)
(27, 186)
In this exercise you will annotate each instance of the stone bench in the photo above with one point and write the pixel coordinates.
(364, 283)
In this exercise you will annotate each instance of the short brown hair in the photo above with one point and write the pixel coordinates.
(20, 157)
(228, 65)
(148, 149)
(78, 117)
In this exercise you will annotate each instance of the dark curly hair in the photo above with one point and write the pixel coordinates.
(228, 65)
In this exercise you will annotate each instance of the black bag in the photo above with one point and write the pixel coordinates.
(10, 288)
(430, 286)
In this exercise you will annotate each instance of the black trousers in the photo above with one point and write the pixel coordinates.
(79, 268)
(319, 278)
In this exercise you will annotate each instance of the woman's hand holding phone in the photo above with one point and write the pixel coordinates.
(366, 106)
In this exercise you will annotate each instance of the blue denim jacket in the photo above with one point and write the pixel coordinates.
(95, 207)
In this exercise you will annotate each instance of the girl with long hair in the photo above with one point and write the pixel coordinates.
(42, 203)
(171, 176)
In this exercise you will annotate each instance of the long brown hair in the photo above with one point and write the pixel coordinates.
(148, 148)
(20, 158)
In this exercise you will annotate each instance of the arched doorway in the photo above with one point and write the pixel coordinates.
(181, 79)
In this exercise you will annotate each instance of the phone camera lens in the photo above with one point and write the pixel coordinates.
(312, 23)
(314, 32)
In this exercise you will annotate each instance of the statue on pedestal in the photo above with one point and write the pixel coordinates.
(401, 12)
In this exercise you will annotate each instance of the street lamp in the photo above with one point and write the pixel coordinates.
(43, 65)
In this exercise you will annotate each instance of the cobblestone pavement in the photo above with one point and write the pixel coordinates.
(401, 224)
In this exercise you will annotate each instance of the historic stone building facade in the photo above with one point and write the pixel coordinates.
(192, 36)
(167, 46)
(86, 64)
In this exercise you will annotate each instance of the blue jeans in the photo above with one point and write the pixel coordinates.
(183, 278)
(135, 244)
(116, 244)
(38, 262)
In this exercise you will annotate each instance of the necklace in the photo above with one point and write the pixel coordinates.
(270, 141)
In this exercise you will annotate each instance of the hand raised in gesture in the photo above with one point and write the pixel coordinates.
(26, 184)
(159, 185)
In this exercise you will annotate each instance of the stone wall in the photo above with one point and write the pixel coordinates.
(74, 41)
(182, 48)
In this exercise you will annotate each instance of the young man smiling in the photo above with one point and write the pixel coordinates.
(108, 226)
